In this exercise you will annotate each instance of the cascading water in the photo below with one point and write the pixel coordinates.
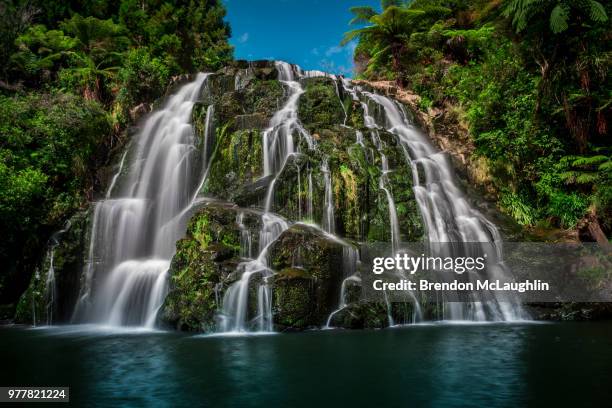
(278, 146)
(350, 269)
(136, 226)
(447, 215)
(328, 211)
(50, 293)
(149, 198)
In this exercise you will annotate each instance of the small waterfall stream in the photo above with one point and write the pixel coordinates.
(328, 211)
(350, 269)
(50, 291)
(278, 147)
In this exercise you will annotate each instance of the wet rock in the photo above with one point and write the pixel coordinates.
(204, 263)
(309, 265)
(69, 255)
(361, 315)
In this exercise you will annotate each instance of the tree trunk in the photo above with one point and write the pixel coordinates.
(396, 54)
(589, 226)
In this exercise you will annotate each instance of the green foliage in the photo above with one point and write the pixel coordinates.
(536, 103)
(526, 12)
(141, 78)
(387, 33)
(47, 146)
(65, 67)
(41, 53)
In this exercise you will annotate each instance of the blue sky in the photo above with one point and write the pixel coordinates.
(303, 32)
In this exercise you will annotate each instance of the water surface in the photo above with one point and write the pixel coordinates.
(489, 365)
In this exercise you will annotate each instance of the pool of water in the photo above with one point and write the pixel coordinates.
(441, 365)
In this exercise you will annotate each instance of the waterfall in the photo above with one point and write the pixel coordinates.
(135, 227)
(328, 212)
(116, 175)
(50, 293)
(447, 215)
(158, 178)
(310, 207)
(359, 138)
(50, 287)
(246, 244)
(350, 262)
(278, 146)
(383, 182)
(278, 142)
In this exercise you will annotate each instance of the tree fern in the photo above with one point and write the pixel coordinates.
(362, 14)
(597, 11)
(560, 12)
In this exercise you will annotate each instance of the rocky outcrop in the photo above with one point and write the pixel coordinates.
(308, 279)
(306, 262)
(51, 298)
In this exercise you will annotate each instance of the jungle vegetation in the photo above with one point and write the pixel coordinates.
(529, 80)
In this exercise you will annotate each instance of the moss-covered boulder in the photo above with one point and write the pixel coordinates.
(204, 264)
(320, 106)
(309, 274)
(361, 315)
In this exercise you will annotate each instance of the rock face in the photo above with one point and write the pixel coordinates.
(306, 285)
(338, 178)
(53, 290)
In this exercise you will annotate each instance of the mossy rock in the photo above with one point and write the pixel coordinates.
(236, 161)
(361, 315)
(319, 106)
(203, 265)
(307, 285)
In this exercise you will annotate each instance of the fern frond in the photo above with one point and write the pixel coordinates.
(363, 14)
(558, 19)
(597, 11)
(587, 178)
(607, 166)
(590, 161)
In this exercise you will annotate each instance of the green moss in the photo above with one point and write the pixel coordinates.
(204, 259)
(237, 161)
(307, 286)
(265, 96)
(319, 106)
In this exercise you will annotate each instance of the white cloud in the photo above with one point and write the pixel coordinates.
(243, 38)
(333, 50)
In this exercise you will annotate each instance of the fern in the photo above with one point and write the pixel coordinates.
(362, 14)
(607, 166)
(597, 11)
(523, 12)
(589, 161)
(558, 18)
